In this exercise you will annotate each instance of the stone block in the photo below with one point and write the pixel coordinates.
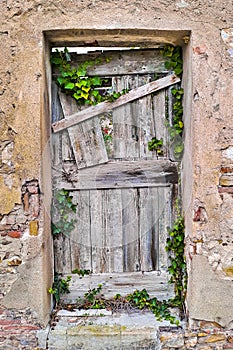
(172, 340)
(209, 296)
(33, 228)
(226, 180)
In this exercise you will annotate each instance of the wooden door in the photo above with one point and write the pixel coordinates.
(124, 192)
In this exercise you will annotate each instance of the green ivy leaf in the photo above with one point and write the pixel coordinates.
(69, 86)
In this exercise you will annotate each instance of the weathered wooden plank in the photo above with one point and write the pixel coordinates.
(165, 218)
(107, 106)
(125, 283)
(62, 253)
(86, 139)
(121, 117)
(148, 230)
(114, 242)
(121, 62)
(159, 119)
(98, 230)
(123, 174)
(57, 114)
(131, 261)
(80, 237)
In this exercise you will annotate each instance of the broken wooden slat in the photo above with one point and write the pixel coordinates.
(123, 174)
(86, 139)
(107, 106)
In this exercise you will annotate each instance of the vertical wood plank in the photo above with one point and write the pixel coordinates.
(86, 138)
(133, 123)
(114, 231)
(131, 258)
(56, 138)
(62, 253)
(165, 215)
(159, 115)
(98, 224)
(147, 229)
(80, 237)
(120, 116)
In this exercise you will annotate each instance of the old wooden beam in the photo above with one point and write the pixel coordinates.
(106, 106)
(124, 174)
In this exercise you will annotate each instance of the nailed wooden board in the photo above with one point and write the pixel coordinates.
(86, 139)
(123, 174)
(107, 106)
(155, 282)
(121, 62)
(117, 231)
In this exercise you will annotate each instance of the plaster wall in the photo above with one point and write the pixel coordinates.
(204, 30)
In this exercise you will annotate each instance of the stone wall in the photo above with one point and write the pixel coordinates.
(26, 28)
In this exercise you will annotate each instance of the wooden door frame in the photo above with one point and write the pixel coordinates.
(148, 38)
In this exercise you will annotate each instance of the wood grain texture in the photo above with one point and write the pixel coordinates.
(86, 138)
(123, 174)
(121, 62)
(122, 283)
(106, 106)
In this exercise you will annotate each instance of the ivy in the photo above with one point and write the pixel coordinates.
(75, 81)
(174, 62)
(60, 286)
(175, 247)
(160, 309)
(156, 145)
(61, 209)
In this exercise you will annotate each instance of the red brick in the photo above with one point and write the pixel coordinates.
(3, 234)
(9, 322)
(14, 234)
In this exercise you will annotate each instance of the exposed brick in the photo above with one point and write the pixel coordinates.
(3, 234)
(26, 202)
(225, 190)
(14, 234)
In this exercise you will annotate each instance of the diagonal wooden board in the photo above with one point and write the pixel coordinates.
(76, 118)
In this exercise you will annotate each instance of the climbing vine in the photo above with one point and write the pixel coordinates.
(174, 62)
(76, 82)
(62, 207)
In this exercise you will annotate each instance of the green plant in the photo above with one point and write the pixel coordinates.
(76, 82)
(60, 286)
(156, 145)
(160, 309)
(175, 247)
(92, 299)
(174, 58)
(175, 126)
(81, 272)
(61, 209)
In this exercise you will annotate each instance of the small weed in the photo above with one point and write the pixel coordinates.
(60, 286)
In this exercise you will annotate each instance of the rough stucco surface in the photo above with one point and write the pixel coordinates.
(208, 209)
